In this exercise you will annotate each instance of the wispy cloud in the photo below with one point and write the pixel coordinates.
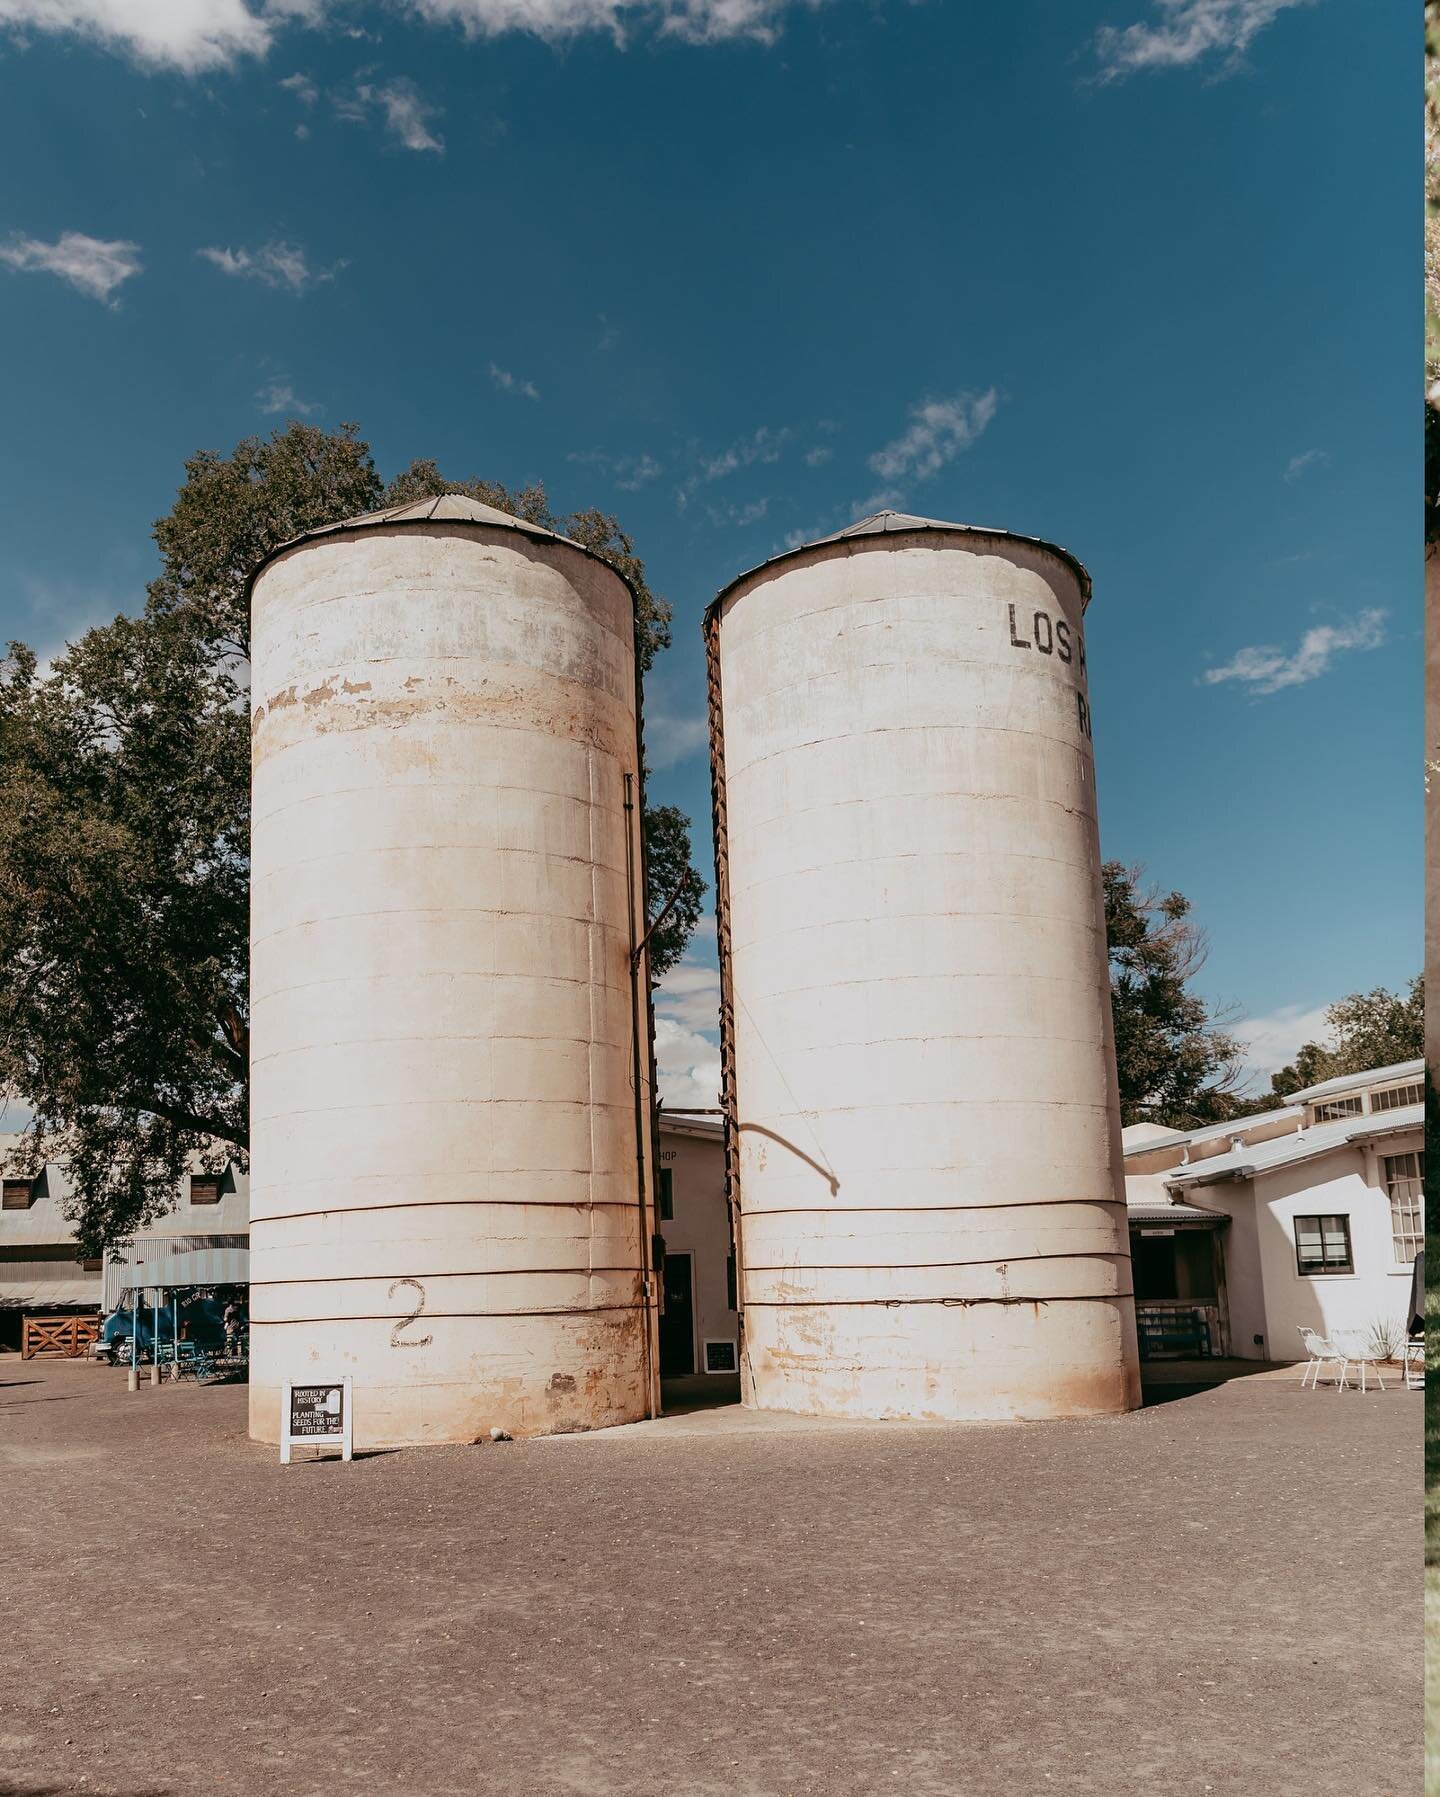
(1271, 1040)
(281, 265)
(303, 88)
(1310, 458)
(407, 114)
(1265, 668)
(511, 383)
(818, 456)
(673, 736)
(939, 429)
(95, 266)
(738, 517)
(280, 396)
(696, 21)
(628, 472)
(762, 446)
(192, 36)
(1184, 32)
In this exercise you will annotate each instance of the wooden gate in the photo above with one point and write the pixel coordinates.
(70, 1336)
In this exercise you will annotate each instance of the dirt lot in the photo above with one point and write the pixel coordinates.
(1219, 1594)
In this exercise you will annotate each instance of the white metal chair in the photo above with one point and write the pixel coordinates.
(1320, 1350)
(1356, 1352)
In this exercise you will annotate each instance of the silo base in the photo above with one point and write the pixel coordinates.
(943, 1363)
(538, 1381)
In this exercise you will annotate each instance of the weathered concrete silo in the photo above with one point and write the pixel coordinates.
(450, 1056)
(919, 1072)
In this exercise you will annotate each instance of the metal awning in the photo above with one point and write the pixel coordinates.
(46, 1294)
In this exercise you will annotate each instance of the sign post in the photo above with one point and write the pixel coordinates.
(316, 1415)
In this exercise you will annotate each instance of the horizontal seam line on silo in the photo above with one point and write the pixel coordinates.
(936, 1037)
(915, 1104)
(427, 1315)
(886, 919)
(577, 1272)
(410, 979)
(529, 916)
(762, 823)
(958, 1303)
(859, 735)
(325, 1110)
(831, 867)
(488, 1037)
(433, 848)
(430, 785)
(402, 1204)
(929, 1266)
(903, 1210)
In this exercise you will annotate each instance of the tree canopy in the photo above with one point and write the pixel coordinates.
(1368, 1029)
(1176, 1064)
(124, 829)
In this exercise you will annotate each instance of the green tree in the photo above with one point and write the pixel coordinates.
(1176, 1065)
(1368, 1029)
(124, 829)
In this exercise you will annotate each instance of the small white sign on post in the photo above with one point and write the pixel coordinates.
(316, 1415)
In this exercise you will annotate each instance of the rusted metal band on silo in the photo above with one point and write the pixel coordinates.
(728, 1099)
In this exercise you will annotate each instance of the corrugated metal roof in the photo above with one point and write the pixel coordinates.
(1355, 1082)
(908, 523)
(445, 508)
(179, 1260)
(1172, 1213)
(1303, 1145)
(1210, 1132)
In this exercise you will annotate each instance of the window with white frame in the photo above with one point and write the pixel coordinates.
(1392, 1098)
(1322, 1245)
(1335, 1108)
(1407, 1203)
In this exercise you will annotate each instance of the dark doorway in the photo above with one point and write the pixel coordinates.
(677, 1320)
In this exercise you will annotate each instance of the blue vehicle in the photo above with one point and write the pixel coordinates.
(201, 1321)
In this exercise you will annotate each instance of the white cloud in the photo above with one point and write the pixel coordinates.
(1264, 668)
(189, 35)
(688, 1065)
(669, 738)
(939, 430)
(763, 446)
(696, 21)
(280, 396)
(511, 383)
(705, 926)
(737, 517)
(407, 113)
(94, 265)
(1310, 458)
(196, 36)
(629, 472)
(690, 994)
(276, 264)
(303, 88)
(1186, 32)
(1271, 1040)
(818, 456)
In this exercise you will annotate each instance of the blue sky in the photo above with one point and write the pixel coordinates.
(1140, 276)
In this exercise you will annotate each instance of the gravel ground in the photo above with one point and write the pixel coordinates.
(1221, 1593)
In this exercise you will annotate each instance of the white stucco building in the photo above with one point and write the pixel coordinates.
(1308, 1216)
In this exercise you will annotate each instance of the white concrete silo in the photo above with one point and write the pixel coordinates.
(450, 1169)
(919, 1067)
